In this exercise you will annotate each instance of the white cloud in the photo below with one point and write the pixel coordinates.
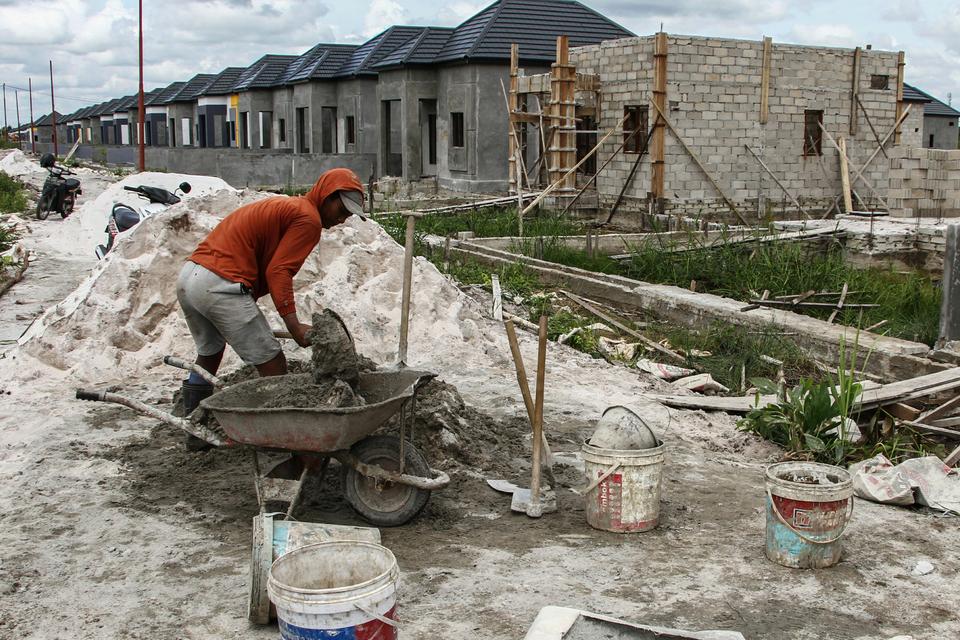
(382, 14)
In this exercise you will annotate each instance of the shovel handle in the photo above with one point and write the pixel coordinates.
(180, 363)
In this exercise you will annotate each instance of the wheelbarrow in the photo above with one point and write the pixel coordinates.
(385, 478)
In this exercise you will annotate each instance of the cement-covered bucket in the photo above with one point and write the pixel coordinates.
(808, 507)
(273, 537)
(623, 494)
(336, 590)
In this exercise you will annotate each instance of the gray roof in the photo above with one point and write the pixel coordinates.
(46, 121)
(320, 62)
(192, 87)
(534, 25)
(106, 108)
(164, 94)
(126, 103)
(222, 83)
(422, 49)
(377, 48)
(264, 73)
(932, 106)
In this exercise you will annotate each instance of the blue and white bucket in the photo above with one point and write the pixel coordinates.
(336, 590)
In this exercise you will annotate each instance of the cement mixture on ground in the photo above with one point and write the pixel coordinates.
(110, 529)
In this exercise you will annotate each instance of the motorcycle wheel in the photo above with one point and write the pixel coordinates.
(67, 207)
(43, 208)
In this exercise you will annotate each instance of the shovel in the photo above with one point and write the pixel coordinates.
(536, 500)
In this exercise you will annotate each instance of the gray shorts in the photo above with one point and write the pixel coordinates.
(220, 312)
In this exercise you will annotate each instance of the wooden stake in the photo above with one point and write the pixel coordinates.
(844, 175)
(535, 509)
(855, 91)
(765, 80)
(900, 109)
(873, 130)
(657, 148)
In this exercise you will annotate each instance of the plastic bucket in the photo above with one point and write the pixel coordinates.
(336, 590)
(808, 507)
(623, 494)
(272, 538)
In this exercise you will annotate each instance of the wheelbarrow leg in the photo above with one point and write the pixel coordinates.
(307, 468)
(257, 480)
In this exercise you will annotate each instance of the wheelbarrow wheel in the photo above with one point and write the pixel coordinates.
(385, 504)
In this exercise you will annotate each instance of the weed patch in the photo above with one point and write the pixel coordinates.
(13, 196)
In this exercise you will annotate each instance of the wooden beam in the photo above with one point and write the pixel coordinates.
(855, 91)
(943, 410)
(765, 79)
(512, 107)
(657, 146)
(900, 64)
(844, 174)
(697, 161)
(844, 159)
(777, 180)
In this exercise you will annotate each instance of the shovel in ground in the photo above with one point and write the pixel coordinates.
(536, 500)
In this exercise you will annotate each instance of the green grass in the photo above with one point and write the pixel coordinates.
(486, 223)
(909, 302)
(13, 196)
(7, 238)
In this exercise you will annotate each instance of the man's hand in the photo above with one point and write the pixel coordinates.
(297, 329)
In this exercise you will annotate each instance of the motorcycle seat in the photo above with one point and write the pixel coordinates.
(71, 183)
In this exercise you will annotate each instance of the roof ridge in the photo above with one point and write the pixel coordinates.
(418, 39)
(486, 27)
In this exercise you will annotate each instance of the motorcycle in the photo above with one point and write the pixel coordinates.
(59, 193)
(124, 217)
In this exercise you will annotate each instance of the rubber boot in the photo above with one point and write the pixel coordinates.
(192, 395)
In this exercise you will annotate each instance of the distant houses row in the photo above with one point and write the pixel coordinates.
(425, 101)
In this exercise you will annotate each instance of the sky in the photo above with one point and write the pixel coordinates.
(93, 43)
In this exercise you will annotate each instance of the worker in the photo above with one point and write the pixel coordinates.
(254, 251)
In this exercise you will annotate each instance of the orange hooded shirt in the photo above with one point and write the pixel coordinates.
(264, 244)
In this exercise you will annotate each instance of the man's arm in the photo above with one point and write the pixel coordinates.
(295, 245)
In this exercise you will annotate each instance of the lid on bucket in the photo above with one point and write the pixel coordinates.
(620, 428)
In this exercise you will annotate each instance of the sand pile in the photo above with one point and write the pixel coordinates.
(16, 163)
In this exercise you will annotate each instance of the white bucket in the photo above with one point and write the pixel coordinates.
(623, 494)
(344, 589)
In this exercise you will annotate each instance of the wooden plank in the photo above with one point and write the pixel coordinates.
(902, 411)
(765, 80)
(944, 409)
(791, 236)
(953, 458)
(855, 91)
(777, 180)
(900, 110)
(844, 175)
(844, 159)
(938, 431)
(619, 325)
(658, 144)
(843, 297)
(873, 129)
(699, 163)
(751, 307)
(812, 305)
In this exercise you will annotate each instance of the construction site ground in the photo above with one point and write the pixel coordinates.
(109, 528)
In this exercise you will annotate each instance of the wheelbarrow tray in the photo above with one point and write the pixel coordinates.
(239, 410)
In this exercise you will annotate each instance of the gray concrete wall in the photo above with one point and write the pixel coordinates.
(358, 98)
(409, 86)
(178, 111)
(283, 109)
(253, 102)
(944, 131)
(262, 169)
(713, 89)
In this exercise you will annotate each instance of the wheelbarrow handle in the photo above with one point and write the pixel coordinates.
(180, 363)
(189, 426)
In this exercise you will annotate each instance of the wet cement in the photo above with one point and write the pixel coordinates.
(334, 355)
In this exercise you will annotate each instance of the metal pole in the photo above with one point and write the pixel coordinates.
(140, 115)
(16, 98)
(33, 145)
(5, 127)
(405, 301)
(53, 112)
(950, 306)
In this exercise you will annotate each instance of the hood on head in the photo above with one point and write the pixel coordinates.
(332, 181)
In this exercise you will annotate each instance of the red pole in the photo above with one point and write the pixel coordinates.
(33, 144)
(141, 163)
(53, 112)
(16, 98)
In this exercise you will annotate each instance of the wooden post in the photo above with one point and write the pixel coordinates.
(900, 65)
(855, 91)
(950, 309)
(563, 152)
(405, 295)
(515, 186)
(844, 175)
(765, 80)
(660, 103)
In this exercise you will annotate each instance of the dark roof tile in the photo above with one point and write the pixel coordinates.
(163, 97)
(422, 49)
(377, 48)
(222, 83)
(534, 25)
(264, 73)
(320, 62)
(192, 88)
(932, 106)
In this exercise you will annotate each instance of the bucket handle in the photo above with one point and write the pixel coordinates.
(799, 534)
(373, 614)
(593, 485)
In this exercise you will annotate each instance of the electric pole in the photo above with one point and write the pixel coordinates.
(141, 163)
(33, 145)
(53, 112)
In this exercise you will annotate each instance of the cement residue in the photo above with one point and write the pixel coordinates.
(331, 393)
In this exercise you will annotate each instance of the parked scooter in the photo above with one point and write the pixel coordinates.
(59, 193)
(124, 217)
